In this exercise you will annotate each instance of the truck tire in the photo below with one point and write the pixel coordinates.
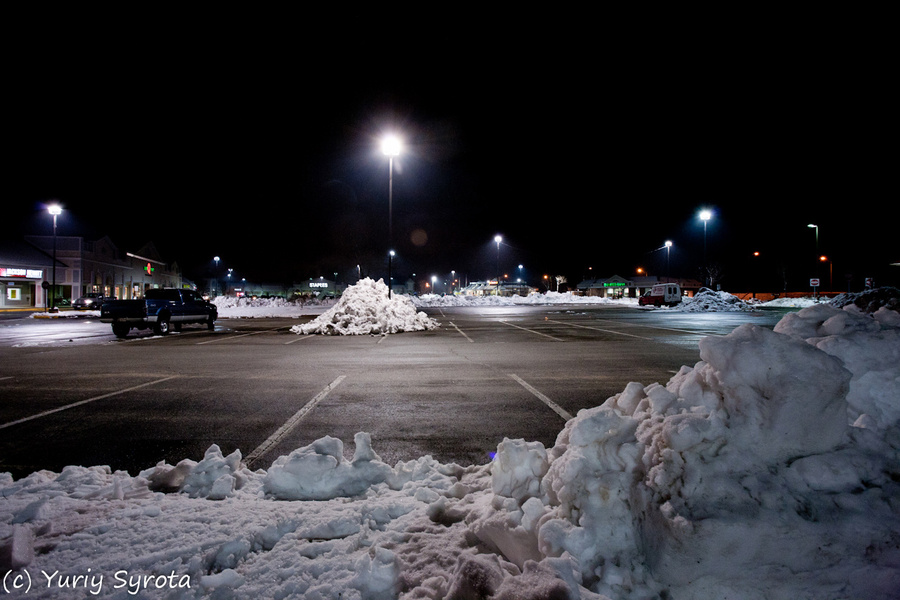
(162, 325)
(211, 323)
(120, 330)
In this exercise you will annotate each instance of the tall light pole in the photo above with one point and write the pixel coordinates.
(55, 210)
(390, 146)
(216, 259)
(668, 248)
(498, 239)
(816, 227)
(705, 216)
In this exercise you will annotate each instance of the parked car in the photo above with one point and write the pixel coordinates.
(90, 302)
(160, 309)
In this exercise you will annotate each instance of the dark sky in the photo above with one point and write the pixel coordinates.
(586, 145)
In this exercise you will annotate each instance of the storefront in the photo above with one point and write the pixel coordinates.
(25, 276)
(317, 288)
(20, 287)
(613, 287)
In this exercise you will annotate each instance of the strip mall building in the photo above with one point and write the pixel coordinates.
(82, 267)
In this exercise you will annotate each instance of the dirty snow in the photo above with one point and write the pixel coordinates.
(768, 470)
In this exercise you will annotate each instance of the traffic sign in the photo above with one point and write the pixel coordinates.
(814, 283)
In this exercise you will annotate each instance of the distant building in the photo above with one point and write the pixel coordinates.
(82, 267)
(317, 288)
(489, 288)
(619, 287)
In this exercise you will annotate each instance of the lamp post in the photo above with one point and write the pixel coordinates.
(390, 275)
(498, 239)
(705, 216)
(390, 146)
(816, 227)
(668, 248)
(215, 289)
(55, 210)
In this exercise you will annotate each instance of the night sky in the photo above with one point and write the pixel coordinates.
(585, 147)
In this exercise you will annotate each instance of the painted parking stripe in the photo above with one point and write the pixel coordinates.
(291, 423)
(461, 332)
(532, 331)
(240, 335)
(83, 402)
(553, 405)
(599, 329)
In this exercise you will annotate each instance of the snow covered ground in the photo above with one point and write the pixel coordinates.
(768, 470)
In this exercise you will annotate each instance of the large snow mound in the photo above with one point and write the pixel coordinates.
(707, 300)
(768, 470)
(365, 309)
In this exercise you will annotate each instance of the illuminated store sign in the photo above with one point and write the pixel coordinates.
(615, 284)
(24, 273)
(318, 284)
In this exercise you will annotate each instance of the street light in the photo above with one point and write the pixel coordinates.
(55, 210)
(668, 248)
(705, 216)
(391, 147)
(816, 227)
(391, 254)
(215, 290)
(498, 239)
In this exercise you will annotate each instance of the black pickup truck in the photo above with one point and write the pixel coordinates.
(160, 309)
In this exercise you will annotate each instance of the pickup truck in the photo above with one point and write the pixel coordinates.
(668, 294)
(161, 309)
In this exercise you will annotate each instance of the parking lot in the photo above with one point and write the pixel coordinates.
(71, 393)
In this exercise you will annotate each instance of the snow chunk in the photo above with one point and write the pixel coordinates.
(320, 471)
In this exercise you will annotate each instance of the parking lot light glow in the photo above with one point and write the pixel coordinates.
(391, 145)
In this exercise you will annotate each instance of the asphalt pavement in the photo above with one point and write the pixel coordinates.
(71, 393)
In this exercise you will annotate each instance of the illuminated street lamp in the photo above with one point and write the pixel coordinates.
(823, 259)
(391, 147)
(391, 255)
(705, 216)
(215, 289)
(55, 210)
(498, 239)
(816, 227)
(668, 248)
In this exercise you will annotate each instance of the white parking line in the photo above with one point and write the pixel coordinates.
(461, 332)
(82, 402)
(599, 329)
(533, 331)
(234, 337)
(299, 339)
(291, 423)
(553, 405)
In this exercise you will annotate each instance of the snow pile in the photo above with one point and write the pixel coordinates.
(787, 302)
(365, 309)
(871, 300)
(768, 470)
(236, 308)
(709, 301)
